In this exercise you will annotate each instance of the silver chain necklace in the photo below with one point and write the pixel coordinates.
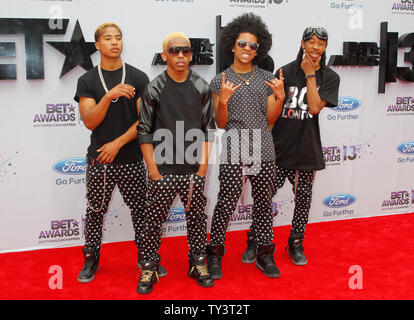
(103, 80)
(246, 81)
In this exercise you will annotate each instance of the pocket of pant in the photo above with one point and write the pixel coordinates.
(156, 183)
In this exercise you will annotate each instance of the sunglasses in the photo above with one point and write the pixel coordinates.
(243, 43)
(320, 32)
(175, 51)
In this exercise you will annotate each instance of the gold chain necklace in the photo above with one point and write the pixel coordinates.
(246, 81)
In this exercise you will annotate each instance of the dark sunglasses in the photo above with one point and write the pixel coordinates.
(243, 43)
(175, 51)
(320, 32)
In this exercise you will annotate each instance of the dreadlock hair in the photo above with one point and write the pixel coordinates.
(251, 23)
(299, 59)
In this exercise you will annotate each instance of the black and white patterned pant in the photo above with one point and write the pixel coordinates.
(302, 183)
(100, 183)
(231, 185)
(161, 194)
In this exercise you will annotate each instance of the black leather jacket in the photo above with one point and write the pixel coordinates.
(170, 110)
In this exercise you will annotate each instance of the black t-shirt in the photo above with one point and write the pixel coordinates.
(296, 132)
(181, 112)
(121, 115)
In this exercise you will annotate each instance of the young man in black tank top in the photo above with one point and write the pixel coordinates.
(108, 97)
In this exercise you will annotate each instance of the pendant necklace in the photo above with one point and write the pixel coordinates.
(103, 81)
(246, 81)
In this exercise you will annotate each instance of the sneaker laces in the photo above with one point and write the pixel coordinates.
(146, 275)
(202, 270)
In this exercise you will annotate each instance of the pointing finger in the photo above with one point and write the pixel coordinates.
(223, 78)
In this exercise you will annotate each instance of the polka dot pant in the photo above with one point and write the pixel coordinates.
(130, 179)
(161, 195)
(302, 182)
(231, 182)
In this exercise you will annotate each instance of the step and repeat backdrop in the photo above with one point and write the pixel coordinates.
(46, 45)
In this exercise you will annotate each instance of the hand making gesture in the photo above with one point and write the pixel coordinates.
(308, 66)
(278, 86)
(227, 89)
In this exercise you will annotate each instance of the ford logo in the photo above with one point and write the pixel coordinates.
(346, 104)
(339, 200)
(406, 147)
(176, 215)
(71, 166)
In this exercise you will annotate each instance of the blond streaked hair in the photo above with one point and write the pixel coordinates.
(101, 29)
(174, 35)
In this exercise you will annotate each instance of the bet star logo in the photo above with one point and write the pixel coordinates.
(77, 51)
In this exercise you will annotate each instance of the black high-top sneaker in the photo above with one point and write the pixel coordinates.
(148, 277)
(249, 256)
(265, 260)
(295, 249)
(199, 272)
(162, 272)
(91, 265)
(214, 258)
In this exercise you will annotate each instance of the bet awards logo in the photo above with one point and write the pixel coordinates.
(385, 56)
(349, 153)
(403, 7)
(61, 230)
(57, 115)
(402, 106)
(397, 200)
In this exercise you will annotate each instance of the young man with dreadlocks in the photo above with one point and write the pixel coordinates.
(310, 86)
(247, 102)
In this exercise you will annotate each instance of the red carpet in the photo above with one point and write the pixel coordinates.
(382, 246)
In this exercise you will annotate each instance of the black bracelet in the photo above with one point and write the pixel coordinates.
(310, 76)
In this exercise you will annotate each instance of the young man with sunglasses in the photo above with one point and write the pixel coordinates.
(310, 86)
(247, 102)
(176, 123)
(108, 97)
